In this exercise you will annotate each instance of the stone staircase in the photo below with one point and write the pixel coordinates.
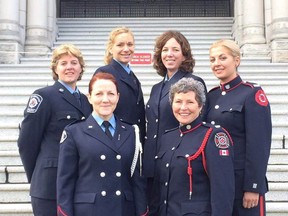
(17, 82)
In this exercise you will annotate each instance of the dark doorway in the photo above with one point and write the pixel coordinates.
(145, 8)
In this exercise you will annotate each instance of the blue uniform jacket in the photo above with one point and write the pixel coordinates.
(195, 179)
(48, 111)
(243, 109)
(94, 176)
(160, 117)
(130, 107)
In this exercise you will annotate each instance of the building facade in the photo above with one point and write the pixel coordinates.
(29, 27)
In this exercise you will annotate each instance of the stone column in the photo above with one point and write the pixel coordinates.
(10, 42)
(37, 33)
(253, 41)
(52, 25)
(279, 37)
(238, 17)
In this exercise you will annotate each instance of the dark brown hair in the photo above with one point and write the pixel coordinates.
(186, 65)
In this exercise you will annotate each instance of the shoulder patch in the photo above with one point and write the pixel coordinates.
(34, 103)
(261, 98)
(221, 140)
(63, 137)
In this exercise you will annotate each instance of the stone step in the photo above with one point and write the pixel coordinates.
(12, 158)
(16, 174)
(16, 209)
(19, 193)
(116, 21)
(25, 209)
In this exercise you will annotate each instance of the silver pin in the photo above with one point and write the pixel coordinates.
(118, 136)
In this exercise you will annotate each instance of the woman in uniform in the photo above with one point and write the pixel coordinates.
(99, 170)
(48, 111)
(243, 109)
(119, 52)
(194, 166)
(173, 60)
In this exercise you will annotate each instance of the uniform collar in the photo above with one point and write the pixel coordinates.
(232, 84)
(190, 127)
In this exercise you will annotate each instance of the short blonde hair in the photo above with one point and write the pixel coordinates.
(66, 49)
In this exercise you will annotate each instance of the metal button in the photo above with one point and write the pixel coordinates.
(217, 107)
(156, 120)
(223, 93)
(102, 157)
(213, 122)
(173, 149)
(102, 174)
(118, 174)
(103, 193)
(68, 117)
(118, 157)
(167, 164)
(118, 193)
(155, 136)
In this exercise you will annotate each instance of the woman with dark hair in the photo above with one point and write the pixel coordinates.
(173, 60)
(99, 172)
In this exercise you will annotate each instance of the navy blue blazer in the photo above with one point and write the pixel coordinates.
(130, 107)
(195, 174)
(48, 111)
(160, 118)
(94, 174)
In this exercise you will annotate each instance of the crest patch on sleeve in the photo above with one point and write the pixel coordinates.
(261, 98)
(221, 140)
(63, 137)
(34, 103)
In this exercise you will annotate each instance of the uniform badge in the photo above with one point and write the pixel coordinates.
(224, 152)
(261, 98)
(34, 103)
(63, 137)
(221, 140)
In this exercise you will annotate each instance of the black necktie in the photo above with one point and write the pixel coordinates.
(77, 97)
(107, 131)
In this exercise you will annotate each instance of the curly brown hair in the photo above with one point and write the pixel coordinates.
(187, 65)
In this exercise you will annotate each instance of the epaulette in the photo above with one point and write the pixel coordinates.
(209, 125)
(214, 88)
(75, 122)
(251, 84)
(172, 129)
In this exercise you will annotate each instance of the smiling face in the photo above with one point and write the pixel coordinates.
(185, 107)
(104, 98)
(223, 64)
(123, 48)
(172, 56)
(68, 70)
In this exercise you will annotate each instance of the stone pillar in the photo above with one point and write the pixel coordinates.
(10, 42)
(238, 17)
(52, 25)
(37, 33)
(253, 41)
(279, 37)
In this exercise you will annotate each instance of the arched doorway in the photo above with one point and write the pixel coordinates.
(145, 8)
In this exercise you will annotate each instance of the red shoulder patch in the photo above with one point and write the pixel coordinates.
(261, 98)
